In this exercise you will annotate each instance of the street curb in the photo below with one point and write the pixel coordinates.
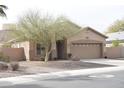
(52, 75)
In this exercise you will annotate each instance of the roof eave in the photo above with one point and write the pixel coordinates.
(95, 31)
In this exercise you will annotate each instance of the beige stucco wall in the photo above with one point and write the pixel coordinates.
(83, 34)
(29, 50)
(88, 35)
(15, 54)
(24, 45)
(115, 52)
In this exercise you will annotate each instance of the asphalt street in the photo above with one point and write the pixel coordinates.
(103, 80)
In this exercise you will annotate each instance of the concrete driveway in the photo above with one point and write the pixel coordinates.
(116, 62)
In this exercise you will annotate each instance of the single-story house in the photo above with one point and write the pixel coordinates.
(86, 44)
(115, 36)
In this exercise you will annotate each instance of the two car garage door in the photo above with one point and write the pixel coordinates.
(86, 50)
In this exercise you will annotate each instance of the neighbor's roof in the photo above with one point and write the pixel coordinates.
(4, 36)
(116, 36)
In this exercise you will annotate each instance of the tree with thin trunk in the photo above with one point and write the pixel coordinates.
(2, 10)
(43, 29)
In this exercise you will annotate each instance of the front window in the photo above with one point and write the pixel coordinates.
(40, 49)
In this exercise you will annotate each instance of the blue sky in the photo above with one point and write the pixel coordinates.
(98, 14)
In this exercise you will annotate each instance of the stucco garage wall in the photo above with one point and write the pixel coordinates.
(86, 50)
(24, 45)
(88, 36)
(15, 54)
(115, 52)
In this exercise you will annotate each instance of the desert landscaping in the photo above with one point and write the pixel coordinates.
(35, 67)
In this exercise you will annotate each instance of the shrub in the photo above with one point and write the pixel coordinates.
(14, 66)
(3, 66)
(4, 58)
(105, 57)
(6, 46)
(54, 58)
(115, 43)
(69, 55)
(1, 56)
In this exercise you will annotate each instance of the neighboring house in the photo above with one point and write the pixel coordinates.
(4, 37)
(115, 36)
(86, 44)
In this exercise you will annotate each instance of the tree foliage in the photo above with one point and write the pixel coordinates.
(116, 26)
(2, 10)
(43, 29)
(115, 43)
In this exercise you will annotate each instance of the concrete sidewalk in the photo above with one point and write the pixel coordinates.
(30, 78)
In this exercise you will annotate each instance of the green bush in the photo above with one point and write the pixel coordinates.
(115, 43)
(4, 57)
(7, 45)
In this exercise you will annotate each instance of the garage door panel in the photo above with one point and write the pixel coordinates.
(81, 50)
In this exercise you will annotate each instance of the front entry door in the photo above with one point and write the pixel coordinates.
(61, 49)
